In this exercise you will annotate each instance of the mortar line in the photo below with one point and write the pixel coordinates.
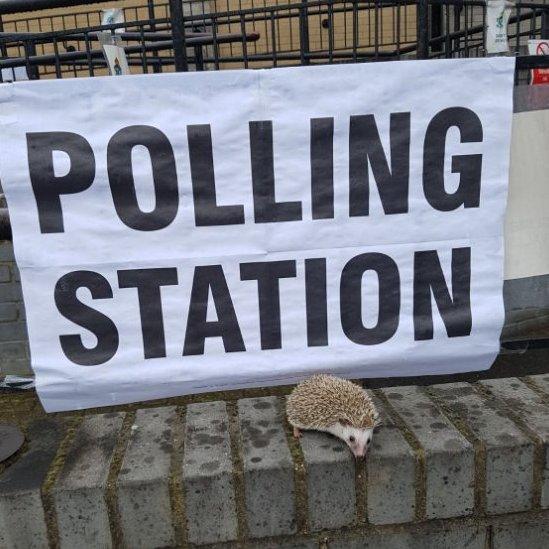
(111, 496)
(479, 447)
(489, 541)
(238, 470)
(421, 465)
(175, 483)
(52, 474)
(500, 404)
(531, 384)
(361, 491)
(301, 493)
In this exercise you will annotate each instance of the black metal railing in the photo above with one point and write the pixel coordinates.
(171, 35)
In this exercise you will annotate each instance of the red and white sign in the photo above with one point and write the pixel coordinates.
(539, 47)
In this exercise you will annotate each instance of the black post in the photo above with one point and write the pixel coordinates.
(545, 24)
(3, 49)
(436, 24)
(178, 36)
(422, 29)
(198, 58)
(5, 227)
(304, 35)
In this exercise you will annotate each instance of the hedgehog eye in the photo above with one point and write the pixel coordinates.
(351, 439)
(368, 441)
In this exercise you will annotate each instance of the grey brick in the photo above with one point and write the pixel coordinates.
(5, 273)
(449, 457)
(10, 291)
(13, 349)
(390, 466)
(21, 310)
(17, 367)
(79, 492)
(21, 510)
(15, 272)
(268, 468)
(13, 331)
(509, 453)
(8, 312)
(208, 475)
(533, 534)
(527, 405)
(460, 537)
(330, 472)
(541, 381)
(6, 251)
(143, 484)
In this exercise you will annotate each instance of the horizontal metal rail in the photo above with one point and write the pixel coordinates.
(53, 58)
(21, 6)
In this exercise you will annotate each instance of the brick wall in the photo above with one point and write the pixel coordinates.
(14, 349)
(452, 466)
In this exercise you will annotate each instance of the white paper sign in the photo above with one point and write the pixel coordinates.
(14, 74)
(113, 16)
(184, 233)
(116, 60)
(497, 17)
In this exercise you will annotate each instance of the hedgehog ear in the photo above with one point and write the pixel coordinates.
(377, 421)
(344, 421)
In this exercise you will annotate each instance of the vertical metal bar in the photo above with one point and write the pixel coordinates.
(57, 63)
(466, 37)
(244, 41)
(178, 36)
(215, 44)
(517, 44)
(457, 26)
(144, 65)
(30, 49)
(343, 20)
(545, 24)
(422, 29)
(376, 28)
(447, 41)
(398, 24)
(273, 34)
(330, 31)
(3, 49)
(150, 6)
(436, 25)
(355, 29)
(198, 58)
(304, 46)
(88, 54)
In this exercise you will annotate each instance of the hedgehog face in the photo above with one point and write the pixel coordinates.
(358, 440)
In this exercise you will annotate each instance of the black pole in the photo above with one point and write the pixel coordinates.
(5, 226)
(178, 35)
(545, 24)
(436, 24)
(422, 29)
(304, 34)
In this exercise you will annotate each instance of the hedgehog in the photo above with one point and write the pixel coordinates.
(336, 406)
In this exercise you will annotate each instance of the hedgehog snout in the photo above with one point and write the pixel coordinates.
(363, 442)
(358, 440)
